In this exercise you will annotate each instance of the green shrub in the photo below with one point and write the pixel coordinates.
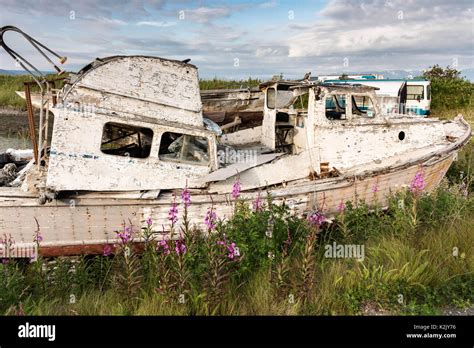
(448, 89)
(216, 83)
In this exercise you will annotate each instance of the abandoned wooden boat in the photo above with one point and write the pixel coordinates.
(129, 135)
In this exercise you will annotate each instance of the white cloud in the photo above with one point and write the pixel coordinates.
(156, 24)
(371, 27)
(268, 4)
(206, 14)
(102, 21)
(110, 21)
(261, 52)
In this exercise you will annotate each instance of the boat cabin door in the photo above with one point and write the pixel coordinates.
(269, 118)
(402, 95)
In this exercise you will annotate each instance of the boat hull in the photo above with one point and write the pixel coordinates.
(83, 224)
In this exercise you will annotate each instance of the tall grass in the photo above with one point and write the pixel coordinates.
(419, 271)
(9, 84)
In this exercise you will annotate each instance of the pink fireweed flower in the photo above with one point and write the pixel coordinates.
(173, 213)
(236, 189)
(186, 197)
(232, 251)
(341, 207)
(316, 219)
(180, 247)
(257, 203)
(162, 245)
(149, 221)
(125, 235)
(375, 187)
(38, 238)
(107, 250)
(211, 219)
(418, 183)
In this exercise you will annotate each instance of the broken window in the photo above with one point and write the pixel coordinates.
(184, 148)
(301, 102)
(336, 106)
(362, 105)
(284, 97)
(271, 98)
(415, 92)
(126, 140)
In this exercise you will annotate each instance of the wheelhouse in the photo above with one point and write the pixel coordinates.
(140, 133)
(294, 110)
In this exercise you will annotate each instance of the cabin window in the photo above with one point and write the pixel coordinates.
(271, 98)
(184, 148)
(415, 92)
(362, 106)
(428, 92)
(301, 102)
(126, 140)
(336, 106)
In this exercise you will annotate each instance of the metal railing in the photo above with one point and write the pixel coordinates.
(46, 89)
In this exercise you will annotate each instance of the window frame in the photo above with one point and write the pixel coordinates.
(126, 127)
(366, 97)
(178, 161)
(336, 103)
(422, 92)
(274, 100)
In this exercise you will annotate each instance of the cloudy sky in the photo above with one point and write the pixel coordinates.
(237, 39)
